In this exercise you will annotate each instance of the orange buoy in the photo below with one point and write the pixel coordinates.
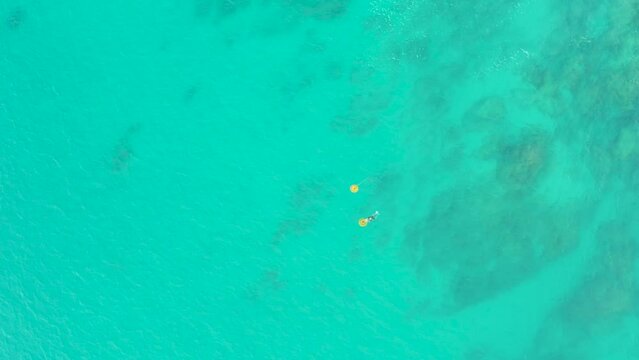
(363, 222)
(354, 188)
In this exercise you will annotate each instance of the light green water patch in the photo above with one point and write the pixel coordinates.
(174, 179)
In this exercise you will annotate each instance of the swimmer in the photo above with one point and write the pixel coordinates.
(372, 217)
(364, 221)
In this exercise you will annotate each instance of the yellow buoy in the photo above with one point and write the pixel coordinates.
(363, 222)
(354, 188)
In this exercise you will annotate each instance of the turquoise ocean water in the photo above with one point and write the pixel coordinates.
(174, 179)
